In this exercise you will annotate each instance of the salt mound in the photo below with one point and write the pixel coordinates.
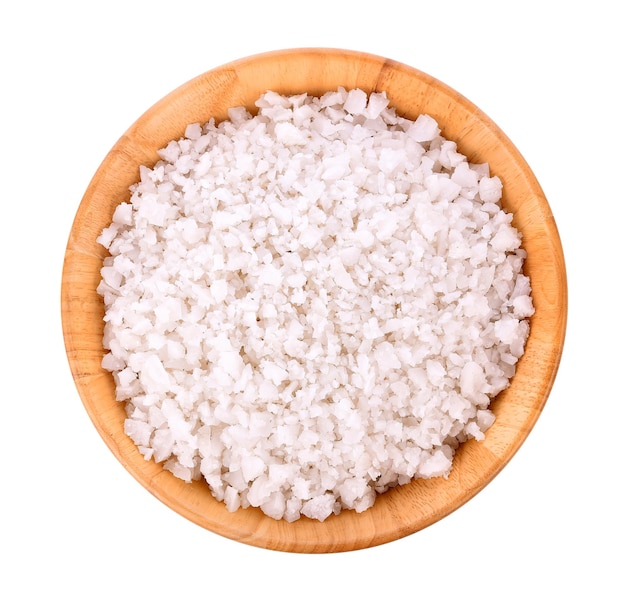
(308, 306)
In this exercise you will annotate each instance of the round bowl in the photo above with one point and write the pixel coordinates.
(402, 510)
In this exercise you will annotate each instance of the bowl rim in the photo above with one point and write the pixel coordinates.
(406, 509)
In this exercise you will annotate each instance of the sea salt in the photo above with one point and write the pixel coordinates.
(308, 306)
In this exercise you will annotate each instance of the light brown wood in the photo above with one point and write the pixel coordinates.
(402, 510)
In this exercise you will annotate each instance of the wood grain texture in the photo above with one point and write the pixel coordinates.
(402, 510)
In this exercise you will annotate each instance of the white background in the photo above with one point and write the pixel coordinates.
(76, 527)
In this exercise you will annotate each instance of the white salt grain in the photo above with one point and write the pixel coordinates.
(311, 305)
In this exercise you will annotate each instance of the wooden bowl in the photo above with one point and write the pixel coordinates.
(402, 510)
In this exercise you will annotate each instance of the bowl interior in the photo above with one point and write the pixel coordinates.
(402, 510)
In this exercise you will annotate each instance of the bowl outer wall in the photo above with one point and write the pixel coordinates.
(402, 510)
